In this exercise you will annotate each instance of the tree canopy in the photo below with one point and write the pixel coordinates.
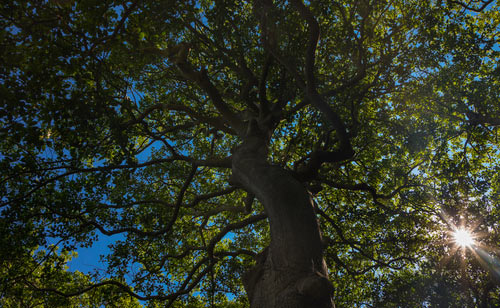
(190, 128)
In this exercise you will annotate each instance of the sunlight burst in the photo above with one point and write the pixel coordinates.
(463, 238)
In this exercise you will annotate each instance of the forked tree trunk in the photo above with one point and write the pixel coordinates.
(291, 272)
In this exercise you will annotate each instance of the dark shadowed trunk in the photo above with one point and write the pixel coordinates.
(291, 272)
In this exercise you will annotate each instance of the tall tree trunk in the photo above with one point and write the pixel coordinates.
(291, 272)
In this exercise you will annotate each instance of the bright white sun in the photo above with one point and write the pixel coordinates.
(463, 238)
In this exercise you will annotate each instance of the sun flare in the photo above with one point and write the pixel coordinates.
(463, 238)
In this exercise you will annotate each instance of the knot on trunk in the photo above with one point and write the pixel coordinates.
(253, 275)
(315, 285)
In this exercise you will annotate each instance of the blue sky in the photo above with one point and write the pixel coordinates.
(88, 259)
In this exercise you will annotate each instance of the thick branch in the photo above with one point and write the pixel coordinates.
(310, 170)
(358, 246)
(217, 163)
(311, 92)
(185, 288)
(368, 188)
(84, 290)
(270, 45)
(231, 227)
(477, 118)
(199, 198)
(373, 192)
(216, 239)
(467, 6)
(125, 14)
(202, 80)
(262, 84)
(215, 122)
(306, 14)
(177, 206)
(230, 58)
(178, 55)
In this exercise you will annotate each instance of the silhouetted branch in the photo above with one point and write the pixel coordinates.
(314, 97)
(483, 5)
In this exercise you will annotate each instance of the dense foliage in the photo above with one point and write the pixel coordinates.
(122, 117)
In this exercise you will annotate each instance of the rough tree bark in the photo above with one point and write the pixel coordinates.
(291, 272)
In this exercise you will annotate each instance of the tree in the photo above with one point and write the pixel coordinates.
(262, 153)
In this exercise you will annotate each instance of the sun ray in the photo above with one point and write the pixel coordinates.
(463, 238)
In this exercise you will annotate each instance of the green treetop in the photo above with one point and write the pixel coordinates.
(250, 153)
